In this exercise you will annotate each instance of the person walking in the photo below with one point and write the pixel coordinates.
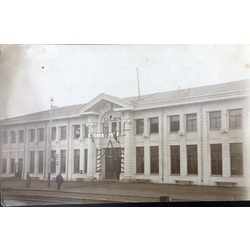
(59, 180)
(28, 180)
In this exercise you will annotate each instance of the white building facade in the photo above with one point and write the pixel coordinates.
(197, 136)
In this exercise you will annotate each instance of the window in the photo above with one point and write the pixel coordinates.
(192, 159)
(140, 160)
(191, 120)
(235, 118)
(105, 129)
(85, 160)
(154, 160)
(53, 161)
(5, 137)
(32, 161)
(53, 135)
(4, 166)
(154, 125)
(216, 159)
(86, 130)
(174, 123)
(21, 136)
(41, 134)
(63, 132)
(32, 134)
(76, 160)
(175, 159)
(215, 120)
(139, 126)
(40, 162)
(12, 136)
(12, 165)
(76, 131)
(236, 158)
(119, 128)
(63, 161)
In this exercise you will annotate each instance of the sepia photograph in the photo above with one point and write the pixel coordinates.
(124, 124)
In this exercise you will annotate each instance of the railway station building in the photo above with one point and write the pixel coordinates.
(197, 136)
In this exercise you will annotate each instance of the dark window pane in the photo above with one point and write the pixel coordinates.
(12, 165)
(76, 161)
(5, 137)
(175, 159)
(4, 161)
(21, 136)
(63, 161)
(154, 125)
(76, 131)
(53, 135)
(40, 162)
(32, 161)
(41, 134)
(63, 132)
(235, 118)
(236, 158)
(191, 122)
(140, 160)
(53, 161)
(139, 126)
(32, 134)
(154, 160)
(85, 160)
(216, 159)
(192, 159)
(174, 123)
(12, 136)
(105, 129)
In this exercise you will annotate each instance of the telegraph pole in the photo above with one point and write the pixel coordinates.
(50, 141)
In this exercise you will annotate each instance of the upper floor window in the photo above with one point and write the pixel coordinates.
(76, 131)
(191, 122)
(154, 125)
(174, 123)
(215, 120)
(21, 136)
(236, 158)
(32, 134)
(63, 132)
(139, 126)
(85, 130)
(53, 135)
(5, 137)
(41, 134)
(235, 118)
(12, 136)
(105, 128)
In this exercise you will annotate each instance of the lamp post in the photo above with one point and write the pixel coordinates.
(50, 140)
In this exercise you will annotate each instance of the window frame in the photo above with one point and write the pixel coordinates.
(236, 157)
(216, 158)
(191, 122)
(192, 160)
(76, 161)
(154, 160)
(175, 160)
(63, 132)
(139, 126)
(214, 122)
(236, 118)
(174, 124)
(41, 134)
(140, 162)
(154, 126)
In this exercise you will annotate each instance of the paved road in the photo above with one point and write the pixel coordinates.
(122, 192)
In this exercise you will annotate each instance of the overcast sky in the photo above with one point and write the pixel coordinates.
(73, 74)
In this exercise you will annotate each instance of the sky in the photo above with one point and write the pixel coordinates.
(73, 74)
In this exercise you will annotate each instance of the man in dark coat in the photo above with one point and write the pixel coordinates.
(59, 180)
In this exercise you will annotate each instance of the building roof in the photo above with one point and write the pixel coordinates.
(181, 96)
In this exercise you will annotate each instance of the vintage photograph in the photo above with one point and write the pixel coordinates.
(124, 125)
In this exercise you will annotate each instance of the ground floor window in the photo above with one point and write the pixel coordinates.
(236, 158)
(85, 160)
(4, 166)
(40, 162)
(63, 161)
(32, 161)
(175, 159)
(12, 165)
(216, 159)
(192, 159)
(154, 160)
(140, 160)
(53, 161)
(76, 160)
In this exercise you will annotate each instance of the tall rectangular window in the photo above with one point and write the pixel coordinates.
(12, 136)
(76, 131)
(175, 159)
(216, 159)
(76, 160)
(5, 137)
(63, 161)
(53, 161)
(41, 134)
(63, 132)
(21, 136)
(154, 125)
(105, 129)
(235, 118)
(114, 127)
(154, 160)
(32, 134)
(12, 165)
(192, 159)
(215, 120)
(174, 123)
(4, 162)
(86, 130)
(32, 161)
(85, 160)
(53, 135)
(191, 122)
(236, 158)
(140, 160)
(40, 162)
(139, 126)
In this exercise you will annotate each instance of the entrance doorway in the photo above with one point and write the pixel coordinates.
(112, 163)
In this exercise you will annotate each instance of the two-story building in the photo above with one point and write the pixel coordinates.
(198, 135)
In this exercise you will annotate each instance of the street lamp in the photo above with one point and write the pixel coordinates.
(50, 140)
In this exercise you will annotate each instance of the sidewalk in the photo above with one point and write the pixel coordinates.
(175, 192)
